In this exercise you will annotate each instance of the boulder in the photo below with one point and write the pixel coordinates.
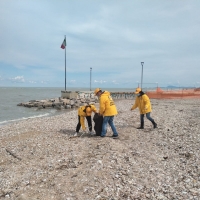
(67, 106)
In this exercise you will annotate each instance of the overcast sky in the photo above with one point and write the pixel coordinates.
(111, 37)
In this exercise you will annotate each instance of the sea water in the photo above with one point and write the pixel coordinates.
(10, 97)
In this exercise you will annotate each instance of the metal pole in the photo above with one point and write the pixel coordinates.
(90, 77)
(142, 63)
(65, 62)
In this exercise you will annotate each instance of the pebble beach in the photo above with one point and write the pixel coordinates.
(39, 158)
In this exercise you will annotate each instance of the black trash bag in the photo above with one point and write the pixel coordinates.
(98, 121)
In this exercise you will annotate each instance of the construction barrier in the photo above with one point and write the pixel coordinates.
(160, 94)
(174, 94)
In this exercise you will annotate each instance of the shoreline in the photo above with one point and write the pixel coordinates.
(51, 106)
(43, 115)
(160, 163)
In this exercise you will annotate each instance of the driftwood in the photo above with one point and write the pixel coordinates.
(72, 137)
(12, 154)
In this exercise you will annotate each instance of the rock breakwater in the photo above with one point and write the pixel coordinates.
(83, 98)
(58, 103)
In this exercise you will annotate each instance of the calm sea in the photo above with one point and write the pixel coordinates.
(10, 97)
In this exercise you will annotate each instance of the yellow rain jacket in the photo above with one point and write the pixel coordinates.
(143, 103)
(107, 105)
(85, 111)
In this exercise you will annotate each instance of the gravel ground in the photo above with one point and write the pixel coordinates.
(40, 160)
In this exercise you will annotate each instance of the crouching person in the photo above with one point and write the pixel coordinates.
(85, 112)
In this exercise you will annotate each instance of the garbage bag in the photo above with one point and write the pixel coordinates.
(98, 121)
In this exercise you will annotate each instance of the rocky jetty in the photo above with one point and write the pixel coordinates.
(58, 103)
(82, 98)
(41, 160)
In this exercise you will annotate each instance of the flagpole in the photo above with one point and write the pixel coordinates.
(65, 63)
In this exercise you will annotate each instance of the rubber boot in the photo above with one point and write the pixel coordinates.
(141, 126)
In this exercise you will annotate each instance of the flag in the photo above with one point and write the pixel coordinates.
(63, 45)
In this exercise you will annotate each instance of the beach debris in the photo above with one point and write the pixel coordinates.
(13, 154)
(158, 164)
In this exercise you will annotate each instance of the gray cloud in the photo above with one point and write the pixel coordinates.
(112, 37)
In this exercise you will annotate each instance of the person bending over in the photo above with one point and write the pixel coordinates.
(108, 109)
(142, 101)
(85, 112)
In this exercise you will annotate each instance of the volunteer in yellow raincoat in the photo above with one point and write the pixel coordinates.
(108, 109)
(142, 101)
(85, 112)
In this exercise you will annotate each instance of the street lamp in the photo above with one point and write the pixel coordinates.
(142, 63)
(90, 77)
(157, 84)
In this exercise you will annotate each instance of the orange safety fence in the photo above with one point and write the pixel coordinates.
(174, 94)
